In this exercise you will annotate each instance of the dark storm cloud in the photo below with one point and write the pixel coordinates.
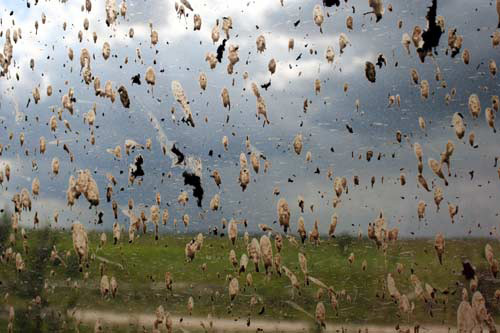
(179, 56)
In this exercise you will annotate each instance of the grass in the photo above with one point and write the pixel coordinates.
(141, 281)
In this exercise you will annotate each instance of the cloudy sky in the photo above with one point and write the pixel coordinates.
(180, 55)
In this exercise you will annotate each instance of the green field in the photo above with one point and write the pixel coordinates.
(140, 268)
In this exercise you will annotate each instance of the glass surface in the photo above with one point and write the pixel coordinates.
(249, 166)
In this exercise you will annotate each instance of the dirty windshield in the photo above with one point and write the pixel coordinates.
(249, 166)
